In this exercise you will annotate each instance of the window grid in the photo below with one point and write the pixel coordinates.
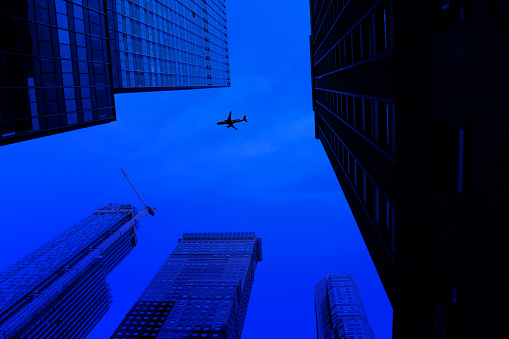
(359, 45)
(168, 45)
(372, 117)
(376, 203)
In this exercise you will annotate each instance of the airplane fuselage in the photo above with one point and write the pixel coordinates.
(231, 121)
(226, 122)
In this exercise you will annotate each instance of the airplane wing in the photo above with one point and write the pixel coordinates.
(229, 116)
(234, 127)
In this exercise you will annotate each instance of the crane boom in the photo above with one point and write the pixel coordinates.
(150, 210)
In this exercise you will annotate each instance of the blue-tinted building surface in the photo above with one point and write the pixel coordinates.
(202, 290)
(339, 310)
(63, 59)
(168, 44)
(54, 69)
(60, 290)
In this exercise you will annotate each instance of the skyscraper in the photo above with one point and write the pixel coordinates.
(339, 310)
(408, 104)
(60, 290)
(353, 98)
(202, 290)
(63, 60)
(172, 44)
(54, 68)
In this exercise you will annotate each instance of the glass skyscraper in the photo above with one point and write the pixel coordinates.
(54, 68)
(339, 310)
(202, 290)
(60, 290)
(168, 44)
(62, 60)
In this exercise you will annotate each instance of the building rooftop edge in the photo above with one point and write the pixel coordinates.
(219, 235)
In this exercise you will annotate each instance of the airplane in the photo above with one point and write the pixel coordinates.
(230, 122)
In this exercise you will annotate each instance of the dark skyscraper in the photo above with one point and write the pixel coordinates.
(408, 103)
(60, 290)
(339, 310)
(202, 290)
(62, 60)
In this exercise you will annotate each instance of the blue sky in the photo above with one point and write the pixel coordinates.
(271, 177)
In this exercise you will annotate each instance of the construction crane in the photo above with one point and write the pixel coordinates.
(149, 210)
(33, 301)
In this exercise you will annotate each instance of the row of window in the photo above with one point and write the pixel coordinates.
(146, 79)
(379, 207)
(187, 64)
(188, 68)
(173, 335)
(333, 11)
(172, 11)
(371, 37)
(162, 35)
(64, 318)
(173, 47)
(162, 23)
(370, 116)
(7, 128)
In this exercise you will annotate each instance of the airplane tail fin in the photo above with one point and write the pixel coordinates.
(245, 118)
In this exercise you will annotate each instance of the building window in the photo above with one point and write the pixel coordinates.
(382, 30)
(350, 110)
(356, 41)
(382, 219)
(366, 39)
(351, 167)
(358, 113)
(348, 50)
(369, 118)
(369, 197)
(385, 125)
(359, 179)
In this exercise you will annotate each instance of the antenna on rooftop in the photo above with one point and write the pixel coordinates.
(149, 210)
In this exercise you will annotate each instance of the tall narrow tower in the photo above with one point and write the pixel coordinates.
(339, 310)
(60, 290)
(202, 290)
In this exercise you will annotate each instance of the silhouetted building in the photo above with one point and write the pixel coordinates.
(60, 290)
(339, 309)
(408, 102)
(62, 61)
(202, 290)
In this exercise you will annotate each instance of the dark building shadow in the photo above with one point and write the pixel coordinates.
(15, 67)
